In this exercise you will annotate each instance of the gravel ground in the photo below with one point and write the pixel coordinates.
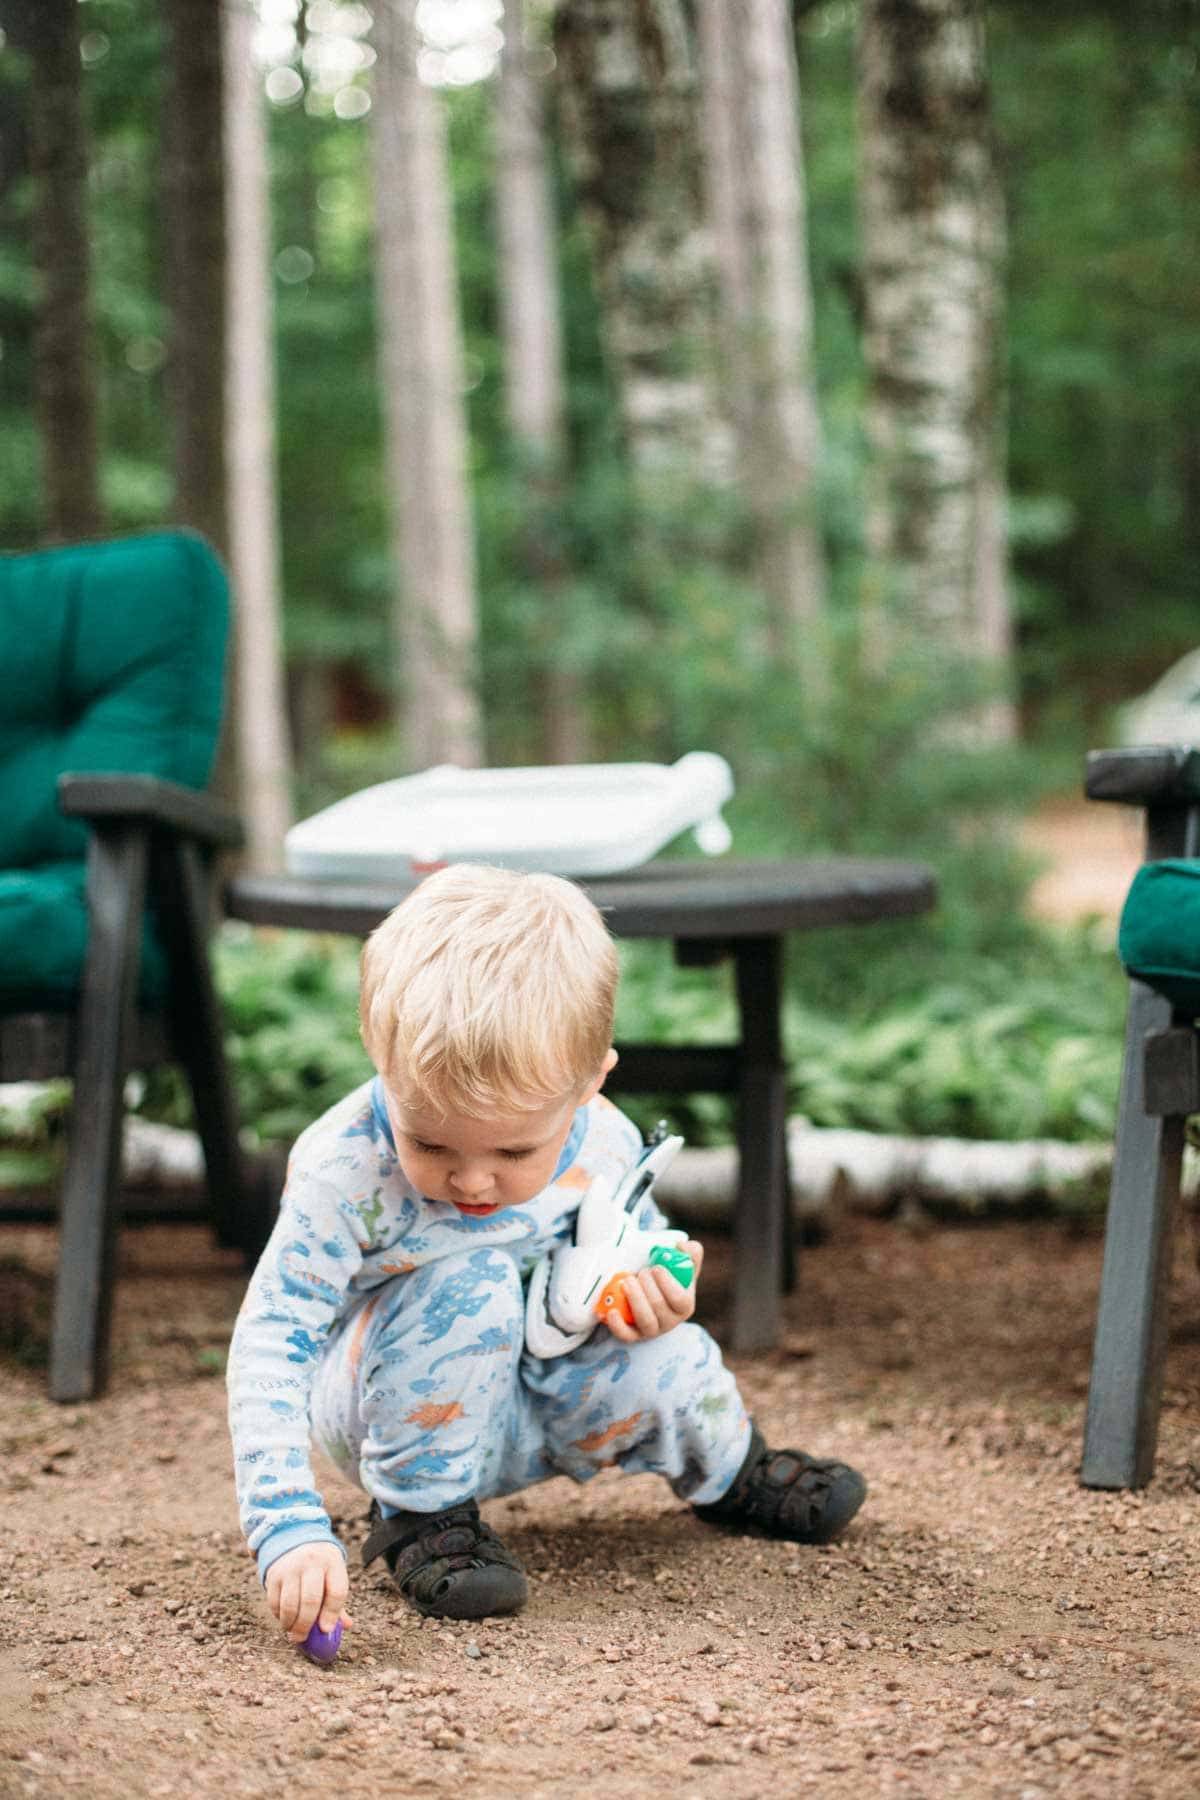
(985, 1628)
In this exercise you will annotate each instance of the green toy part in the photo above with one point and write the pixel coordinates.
(676, 1262)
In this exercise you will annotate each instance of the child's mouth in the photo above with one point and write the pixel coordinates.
(477, 1211)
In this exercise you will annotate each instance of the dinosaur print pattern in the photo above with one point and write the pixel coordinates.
(389, 1329)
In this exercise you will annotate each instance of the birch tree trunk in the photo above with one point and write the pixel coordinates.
(933, 245)
(629, 107)
(755, 186)
(531, 335)
(64, 357)
(425, 424)
(263, 751)
(194, 228)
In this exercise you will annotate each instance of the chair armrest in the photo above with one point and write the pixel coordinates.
(1145, 775)
(153, 802)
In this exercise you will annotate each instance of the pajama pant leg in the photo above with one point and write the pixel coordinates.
(667, 1406)
(423, 1396)
(413, 1395)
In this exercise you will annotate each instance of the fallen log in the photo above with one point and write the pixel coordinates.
(874, 1173)
(865, 1171)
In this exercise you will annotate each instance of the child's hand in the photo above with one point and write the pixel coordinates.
(657, 1301)
(309, 1584)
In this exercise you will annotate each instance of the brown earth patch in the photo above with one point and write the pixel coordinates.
(986, 1627)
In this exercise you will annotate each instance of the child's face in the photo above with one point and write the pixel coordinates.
(482, 1165)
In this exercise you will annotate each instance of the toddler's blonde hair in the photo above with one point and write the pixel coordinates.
(486, 991)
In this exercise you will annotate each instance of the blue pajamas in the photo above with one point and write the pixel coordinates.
(390, 1328)
(425, 1395)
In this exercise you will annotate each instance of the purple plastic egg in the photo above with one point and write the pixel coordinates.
(322, 1646)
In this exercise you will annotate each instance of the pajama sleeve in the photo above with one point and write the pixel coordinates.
(297, 1292)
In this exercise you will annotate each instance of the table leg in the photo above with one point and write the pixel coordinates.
(761, 1238)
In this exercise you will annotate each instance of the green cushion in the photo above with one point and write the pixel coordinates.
(43, 936)
(111, 660)
(1159, 936)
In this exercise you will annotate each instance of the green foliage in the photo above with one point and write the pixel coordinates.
(970, 1019)
(291, 1012)
(32, 1120)
(954, 1065)
(1096, 112)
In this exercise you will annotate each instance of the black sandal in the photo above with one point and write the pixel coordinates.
(789, 1494)
(449, 1564)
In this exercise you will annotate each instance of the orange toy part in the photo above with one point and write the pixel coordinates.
(612, 1297)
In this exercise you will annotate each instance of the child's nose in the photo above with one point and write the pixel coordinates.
(472, 1179)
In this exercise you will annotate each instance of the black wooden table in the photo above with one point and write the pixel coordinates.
(710, 911)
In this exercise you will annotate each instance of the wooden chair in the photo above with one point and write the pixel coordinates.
(112, 663)
(1160, 1086)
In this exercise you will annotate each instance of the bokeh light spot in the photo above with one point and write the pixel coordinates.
(352, 103)
(145, 354)
(294, 263)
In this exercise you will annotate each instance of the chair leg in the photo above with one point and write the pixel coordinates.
(240, 1219)
(762, 1245)
(1121, 1433)
(79, 1352)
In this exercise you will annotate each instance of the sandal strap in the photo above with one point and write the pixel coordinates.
(773, 1486)
(417, 1543)
(790, 1487)
(404, 1528)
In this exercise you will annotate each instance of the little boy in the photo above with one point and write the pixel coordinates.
(386, 1317)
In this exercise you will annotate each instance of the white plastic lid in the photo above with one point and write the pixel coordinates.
(580, 819)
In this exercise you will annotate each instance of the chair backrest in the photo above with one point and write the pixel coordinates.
(111, 659)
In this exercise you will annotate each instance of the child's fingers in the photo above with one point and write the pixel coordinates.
(312, 1592)
(657, 1300)
(648, 1304)
(680, 1300)
(288, 1600)
(628, 1334)
(337, 1587)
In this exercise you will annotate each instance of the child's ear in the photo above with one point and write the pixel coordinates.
(606, 1068)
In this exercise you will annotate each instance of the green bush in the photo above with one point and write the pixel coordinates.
(291, 1011)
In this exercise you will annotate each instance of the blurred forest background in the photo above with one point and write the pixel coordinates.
(813, 383)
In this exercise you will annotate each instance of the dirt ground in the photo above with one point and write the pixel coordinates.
(985, 1628)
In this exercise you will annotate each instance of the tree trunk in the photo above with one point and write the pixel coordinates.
(194, 222)
(425, 424)
(64, 355)
(629, 107)
(531, 335)
(754, 176)
(933, 243)
(263, 751)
